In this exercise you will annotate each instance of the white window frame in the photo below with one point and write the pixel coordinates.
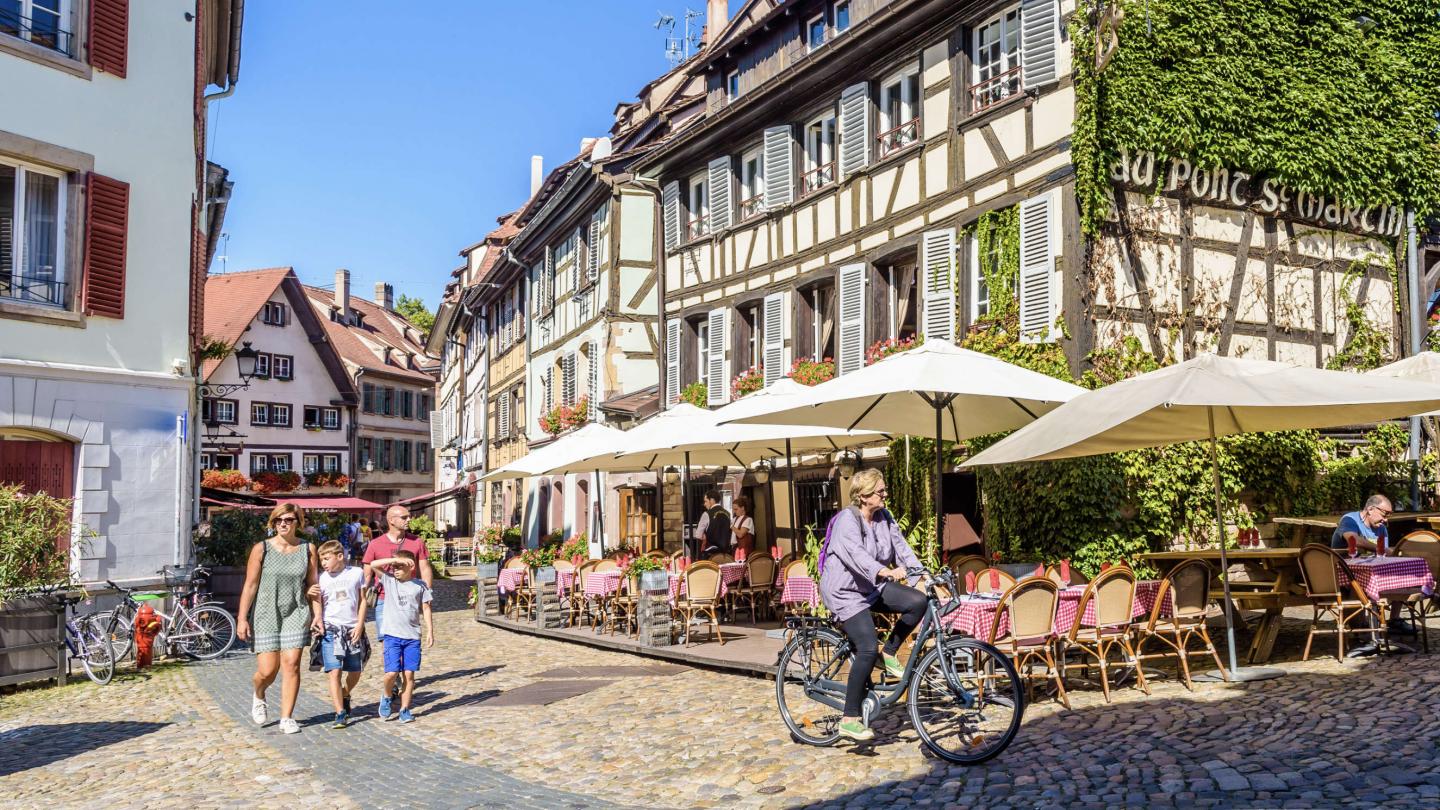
(901, 128)
(835, 18)
(756, 349)
(330, 418)
(261, 410)
(979, 307)
(810, 44)
(218, 411)
(819, 152)
(217, 462)
(276, 362)
(259, 462)
(276, 409)
(309, 463)
(697, 209)
(752, 182)
(205, 461)
(995, 79)
(60, 274)
(702, 349)
(732, 84)
(280, 462)
(330, 462)
(817, 319)
(64, 17)
(262, 365)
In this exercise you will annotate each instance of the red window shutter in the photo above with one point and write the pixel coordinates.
(107, 215)
(109, 35)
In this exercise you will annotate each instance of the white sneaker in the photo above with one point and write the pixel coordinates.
(258, 711)
(289, 726)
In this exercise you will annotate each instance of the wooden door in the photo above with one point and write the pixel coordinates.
(38, 466)
(639, 519)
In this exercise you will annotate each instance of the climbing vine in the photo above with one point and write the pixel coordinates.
(1367, 345)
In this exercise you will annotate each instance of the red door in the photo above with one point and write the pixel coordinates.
(36, 466)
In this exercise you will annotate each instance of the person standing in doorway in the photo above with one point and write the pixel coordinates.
(397, 538)
(742, 526)
(712, 533)
(275, 612)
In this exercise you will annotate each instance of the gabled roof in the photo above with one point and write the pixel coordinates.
(365, 346)
(232, 301)
(752, 15)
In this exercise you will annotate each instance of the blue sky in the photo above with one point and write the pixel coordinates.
(384, 142)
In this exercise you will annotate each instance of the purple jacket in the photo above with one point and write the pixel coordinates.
(854, 558)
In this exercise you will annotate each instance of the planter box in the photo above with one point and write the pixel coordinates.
(486, 570)
(32, 640)
(226, 582)
(655, 581)
(541, 576)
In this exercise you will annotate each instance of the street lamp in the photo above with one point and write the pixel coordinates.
(846, 464)
(762, 471)
(245, 365)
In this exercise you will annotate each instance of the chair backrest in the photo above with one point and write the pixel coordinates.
(677, 554)
(1076, 578)
(720, 558)
(982, 581)
(606, 564)
(961, 563)
(1318, 570)
(761, 570)
(585, 568)
(796, 568)
(1424, 544)
(563, 565)
(1113, 592)
(1031, 603)
(1188, 585)
(702, 581)
(515, 562)
(784, 561)
(656, 554)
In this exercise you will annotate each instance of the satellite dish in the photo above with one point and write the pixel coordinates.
(601, 150)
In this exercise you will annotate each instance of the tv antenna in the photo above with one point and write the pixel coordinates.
(678, 49)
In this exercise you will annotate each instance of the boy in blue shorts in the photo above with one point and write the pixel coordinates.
(407, 600)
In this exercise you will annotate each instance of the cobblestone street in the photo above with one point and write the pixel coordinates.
(506, 719)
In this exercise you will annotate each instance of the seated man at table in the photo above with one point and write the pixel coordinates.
(1364, 526)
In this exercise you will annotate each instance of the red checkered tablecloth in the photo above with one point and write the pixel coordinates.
(1377, 575)
(510, 579)
(800, 590)
(600, 584)
(975, 616)
(564, 581)
(732, 574)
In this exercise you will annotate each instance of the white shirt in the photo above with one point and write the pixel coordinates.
(747, 523)
(340, 595)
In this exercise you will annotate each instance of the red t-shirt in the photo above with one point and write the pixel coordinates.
(382, 547)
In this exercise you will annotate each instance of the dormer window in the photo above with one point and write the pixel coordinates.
(732, 84)
(273, 313)
(815, 32)
(842, 17)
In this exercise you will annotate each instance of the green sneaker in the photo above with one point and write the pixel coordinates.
(893, 667)
(856, 730)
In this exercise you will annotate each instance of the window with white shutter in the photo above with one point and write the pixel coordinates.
(854, 128)
(720, 194)
(717, 381)
(1039, 37)
(592, 383)
(851, 349)
(595, 255)
(548, 277)
(547, 383)
(672, 362)
(779, 167)
(567, 375)
(1037, 268)
(670, 202)
(937, 261)
(774, 335)
(502, 416)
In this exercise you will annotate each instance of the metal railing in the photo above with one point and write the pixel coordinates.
(817, 178)
(898, 138)
(994, 90)
(698, 226)
(45, 34)
(34, 290)
(751, 206)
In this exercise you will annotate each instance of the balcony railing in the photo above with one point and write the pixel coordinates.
(817, 178)
(45, 32)
(697, 226)
(34, 290)
(898, 138)
(994, 90)
(751, 206)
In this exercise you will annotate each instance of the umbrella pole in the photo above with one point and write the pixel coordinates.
(939, 476)
(599, 513)
(794, 513)
(685, 510)
(1237, 672)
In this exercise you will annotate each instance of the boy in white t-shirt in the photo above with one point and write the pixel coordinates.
(341, 589)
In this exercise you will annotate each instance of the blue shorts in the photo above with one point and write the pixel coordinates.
(353, 662)
(401, 654)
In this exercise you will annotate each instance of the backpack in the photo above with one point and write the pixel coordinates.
(717, 533)
(829, 528)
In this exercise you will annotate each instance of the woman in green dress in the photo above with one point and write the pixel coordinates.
(276, 613)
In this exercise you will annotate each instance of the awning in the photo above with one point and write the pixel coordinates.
(227, 497)
(233, 505)
(431, 498)
(339, 502)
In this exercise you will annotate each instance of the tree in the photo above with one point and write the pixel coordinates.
(414, 311)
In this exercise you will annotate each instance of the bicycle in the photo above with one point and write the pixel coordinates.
(87, 639)
(201, 631)
(956, 687)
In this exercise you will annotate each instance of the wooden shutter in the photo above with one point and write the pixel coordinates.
(502, 416)
(547, 277)
(774, 337)
(567, 375)
(779, 167)
(721, 197)
(1037, 269)
(592, 387)
(937, 260)
(107, 214)
(109, 35)
(670, 200)
(851, 342)
(592, 263)
(854, 128)
(672, 362)
(575, 263)
(717, 382)
(547, 383)
(1039, 40)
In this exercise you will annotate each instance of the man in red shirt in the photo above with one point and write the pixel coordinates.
(397, 538)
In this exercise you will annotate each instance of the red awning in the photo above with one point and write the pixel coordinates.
(233, 505)
(431, 498)
(340, 502)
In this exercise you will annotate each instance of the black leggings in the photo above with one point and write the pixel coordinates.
(896, 598)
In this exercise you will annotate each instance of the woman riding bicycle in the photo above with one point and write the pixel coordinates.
(863, 566)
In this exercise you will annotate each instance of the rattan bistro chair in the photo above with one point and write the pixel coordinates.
(701, 598)
(1424, 544)
(1076, 577)
(1031, 604)
(578, 608)
(521, 595)
(1319, 567)
(962, 564)
(566, 606)
(982, 581)
(759, 585)
(1188, 586)
(1113, 593)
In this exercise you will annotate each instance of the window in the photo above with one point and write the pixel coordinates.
(224, 461)
(221, 410)
(367, 455)
(702, 351)
(497, 502)
(815, 322)
(310, 463)
(565, 254)
(842, 16)
(750, 334)
(699, 207)
(259, 463)
(367, 398)
(279, 415)
(402, 455)
(32, 230)
(273, 313)
(902, 300)
(330, 462)
(330, 418)
(388, 405)
(311, 413)
(899, 111)
(422, 457)
(259, 413)
(732, 84)
(262, 365)
(280, 462)
(425, 408)
(280, 367)
(983, 264)
(205, 461)
(407, 404)
(39, 21)
(752, 182)
(815, 31)
(819, 153)
(997, 60)
(387, 453)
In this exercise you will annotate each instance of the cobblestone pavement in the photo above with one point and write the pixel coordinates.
(504, 718)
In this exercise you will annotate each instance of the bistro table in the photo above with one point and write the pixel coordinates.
(800, 590)
(509, 580)
(564, 581)
(731, 574)
(976, 614)
(1377, 575)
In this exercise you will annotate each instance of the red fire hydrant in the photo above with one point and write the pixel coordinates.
(147, 627)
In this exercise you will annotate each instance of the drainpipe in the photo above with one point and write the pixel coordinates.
(355, 468)
(237, 22)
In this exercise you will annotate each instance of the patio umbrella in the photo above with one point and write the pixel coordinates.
(1421, 367)
(1204, 398)
(963, 393)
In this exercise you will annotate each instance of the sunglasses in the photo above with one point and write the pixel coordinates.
(285, 520)
(402, 517)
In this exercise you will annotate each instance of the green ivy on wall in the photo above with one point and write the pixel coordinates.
(1367, 345)
(1294, 89)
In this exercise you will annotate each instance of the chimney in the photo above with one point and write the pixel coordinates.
(342, 294)
(717, 15)
(537, 173)
(384, 295)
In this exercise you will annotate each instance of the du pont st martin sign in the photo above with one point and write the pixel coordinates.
(1265, 195)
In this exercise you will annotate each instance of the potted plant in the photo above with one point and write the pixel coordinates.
(650, 572)
(224, 479)
(697, 394)
(487, 560)
(812, 372)
(884, 348)
(34, 568)
(577, 546)
(747, 382)
(541, 562)
(223, 545)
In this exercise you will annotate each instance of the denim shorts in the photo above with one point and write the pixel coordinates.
(353, 662)
(379, 609)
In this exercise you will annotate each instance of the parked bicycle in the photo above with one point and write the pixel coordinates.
(965, 698)
(87, 640)
(197, 629)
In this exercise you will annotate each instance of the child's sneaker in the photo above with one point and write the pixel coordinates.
(346, 703)
(258, 711)
(289, 726)
(341, 719)
(406, 716)
(385, 713)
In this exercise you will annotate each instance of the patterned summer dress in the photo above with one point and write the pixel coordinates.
(280, 619)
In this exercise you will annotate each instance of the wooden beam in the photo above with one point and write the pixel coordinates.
(1237, 284)
(1187, 277)
(1270, 243)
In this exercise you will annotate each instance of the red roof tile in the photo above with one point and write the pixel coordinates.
(365, 345)
(232, 300)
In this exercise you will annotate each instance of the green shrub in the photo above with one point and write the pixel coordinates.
(31, 529)
(229, 537)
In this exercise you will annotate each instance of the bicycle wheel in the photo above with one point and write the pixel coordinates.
(808, 657)
(213, 630)
(966, 734)
(121, 635)
(95, 652)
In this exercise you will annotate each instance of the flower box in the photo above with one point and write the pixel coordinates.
(487, 570)
(541, 576)
(654, 581)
